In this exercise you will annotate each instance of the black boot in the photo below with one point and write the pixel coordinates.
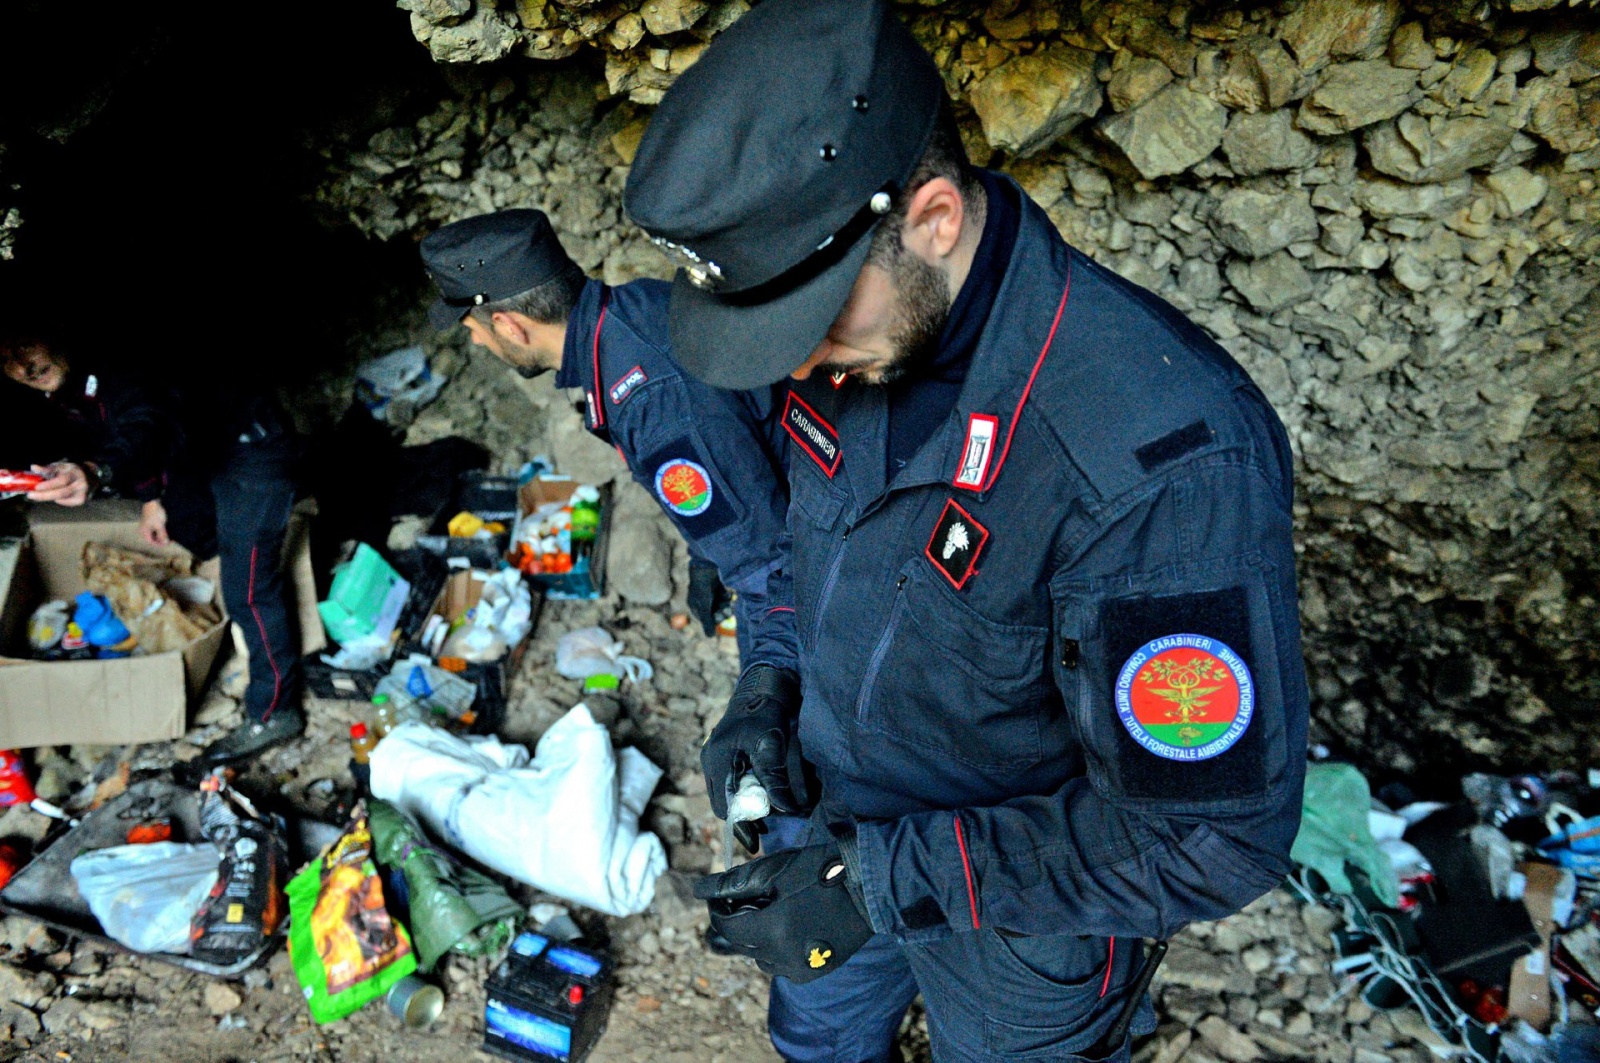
(255, 737)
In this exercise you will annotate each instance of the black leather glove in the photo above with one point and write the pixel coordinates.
(707, 596)
(797, 913)
(758, 734)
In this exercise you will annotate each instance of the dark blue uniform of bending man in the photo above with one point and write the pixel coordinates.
(713, 459)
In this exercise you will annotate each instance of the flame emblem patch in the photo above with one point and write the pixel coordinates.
(955, 544)
(1185, 697)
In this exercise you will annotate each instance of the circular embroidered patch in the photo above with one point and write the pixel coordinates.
(684, 487)
(1185, 697)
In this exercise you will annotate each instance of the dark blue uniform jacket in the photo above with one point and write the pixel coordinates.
(108, 418)
(712, 458)
(1053, 668)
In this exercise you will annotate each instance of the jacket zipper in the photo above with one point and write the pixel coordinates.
(869, 682)
(827, 587)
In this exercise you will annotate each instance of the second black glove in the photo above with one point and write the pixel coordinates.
(796, 913)
(757, 734)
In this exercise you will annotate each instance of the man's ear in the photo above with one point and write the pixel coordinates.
(511, 326)
(933, 221)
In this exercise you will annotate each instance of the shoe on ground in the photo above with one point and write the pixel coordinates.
(255, 737)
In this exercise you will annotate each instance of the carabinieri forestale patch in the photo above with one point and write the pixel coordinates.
(684, 486)
(1185, 697)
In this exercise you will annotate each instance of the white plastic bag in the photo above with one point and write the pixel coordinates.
(566, 822)
(145, 895)
(506, 606)
(501, 619)
(592, 651)
(396, 385)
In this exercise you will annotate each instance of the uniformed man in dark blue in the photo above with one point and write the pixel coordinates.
(1045, 582)
(711, 458)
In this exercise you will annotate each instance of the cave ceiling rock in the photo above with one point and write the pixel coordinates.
(1172, 131)
(1320, 30)
(1256, 224)
(1266, 142)
(1027, 103)
(1135, 79)
(1356, 94)
(1421, 150)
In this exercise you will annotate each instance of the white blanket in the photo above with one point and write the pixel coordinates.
(566, 822)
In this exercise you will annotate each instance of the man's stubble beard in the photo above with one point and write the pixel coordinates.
(524, 361)
(922, 307)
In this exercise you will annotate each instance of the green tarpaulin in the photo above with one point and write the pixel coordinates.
(452, 906)
(1334, 831)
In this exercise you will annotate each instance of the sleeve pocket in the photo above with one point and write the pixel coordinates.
(1174, 684)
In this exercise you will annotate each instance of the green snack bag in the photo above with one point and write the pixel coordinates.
(346, 949)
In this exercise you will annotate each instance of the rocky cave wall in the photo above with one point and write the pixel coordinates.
(1388, 213)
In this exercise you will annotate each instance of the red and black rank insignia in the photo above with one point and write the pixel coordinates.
(814, 435)
(956, 542)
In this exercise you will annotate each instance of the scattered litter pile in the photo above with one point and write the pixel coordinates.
(1482, 913)
(443, 835)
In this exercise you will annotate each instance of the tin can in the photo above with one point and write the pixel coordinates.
(415, 1002)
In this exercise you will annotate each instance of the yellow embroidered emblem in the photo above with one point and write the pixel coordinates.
(820, 957)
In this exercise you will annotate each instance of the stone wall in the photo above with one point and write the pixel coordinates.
(1387, 213)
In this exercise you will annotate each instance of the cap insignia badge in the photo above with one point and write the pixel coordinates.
(703, 273)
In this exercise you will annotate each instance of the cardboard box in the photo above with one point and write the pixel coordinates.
(463, 590)
(302, 578)
(114, 702)
(587, 580)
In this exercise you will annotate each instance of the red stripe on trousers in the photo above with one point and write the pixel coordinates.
(277, 676)
(966, 865)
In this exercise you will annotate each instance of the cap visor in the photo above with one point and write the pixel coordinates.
(441, 315)
(734, 345)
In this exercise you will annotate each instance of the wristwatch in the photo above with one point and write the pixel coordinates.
(99, 475)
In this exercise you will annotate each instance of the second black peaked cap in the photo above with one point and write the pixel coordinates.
(764, 169)
(488, 258)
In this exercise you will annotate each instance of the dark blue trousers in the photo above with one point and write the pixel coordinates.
(989, 997)
(240, 516)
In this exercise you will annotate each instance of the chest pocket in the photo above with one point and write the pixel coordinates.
(818, 502)
(947, 680)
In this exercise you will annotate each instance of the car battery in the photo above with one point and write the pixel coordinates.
(547, 1001)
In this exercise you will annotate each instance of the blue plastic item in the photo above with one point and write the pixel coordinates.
(417, 684)
(98, 623)
(1581, 837)
(1577, 848)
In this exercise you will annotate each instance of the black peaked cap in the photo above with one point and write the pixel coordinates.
(488, 258)
(765, 168)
